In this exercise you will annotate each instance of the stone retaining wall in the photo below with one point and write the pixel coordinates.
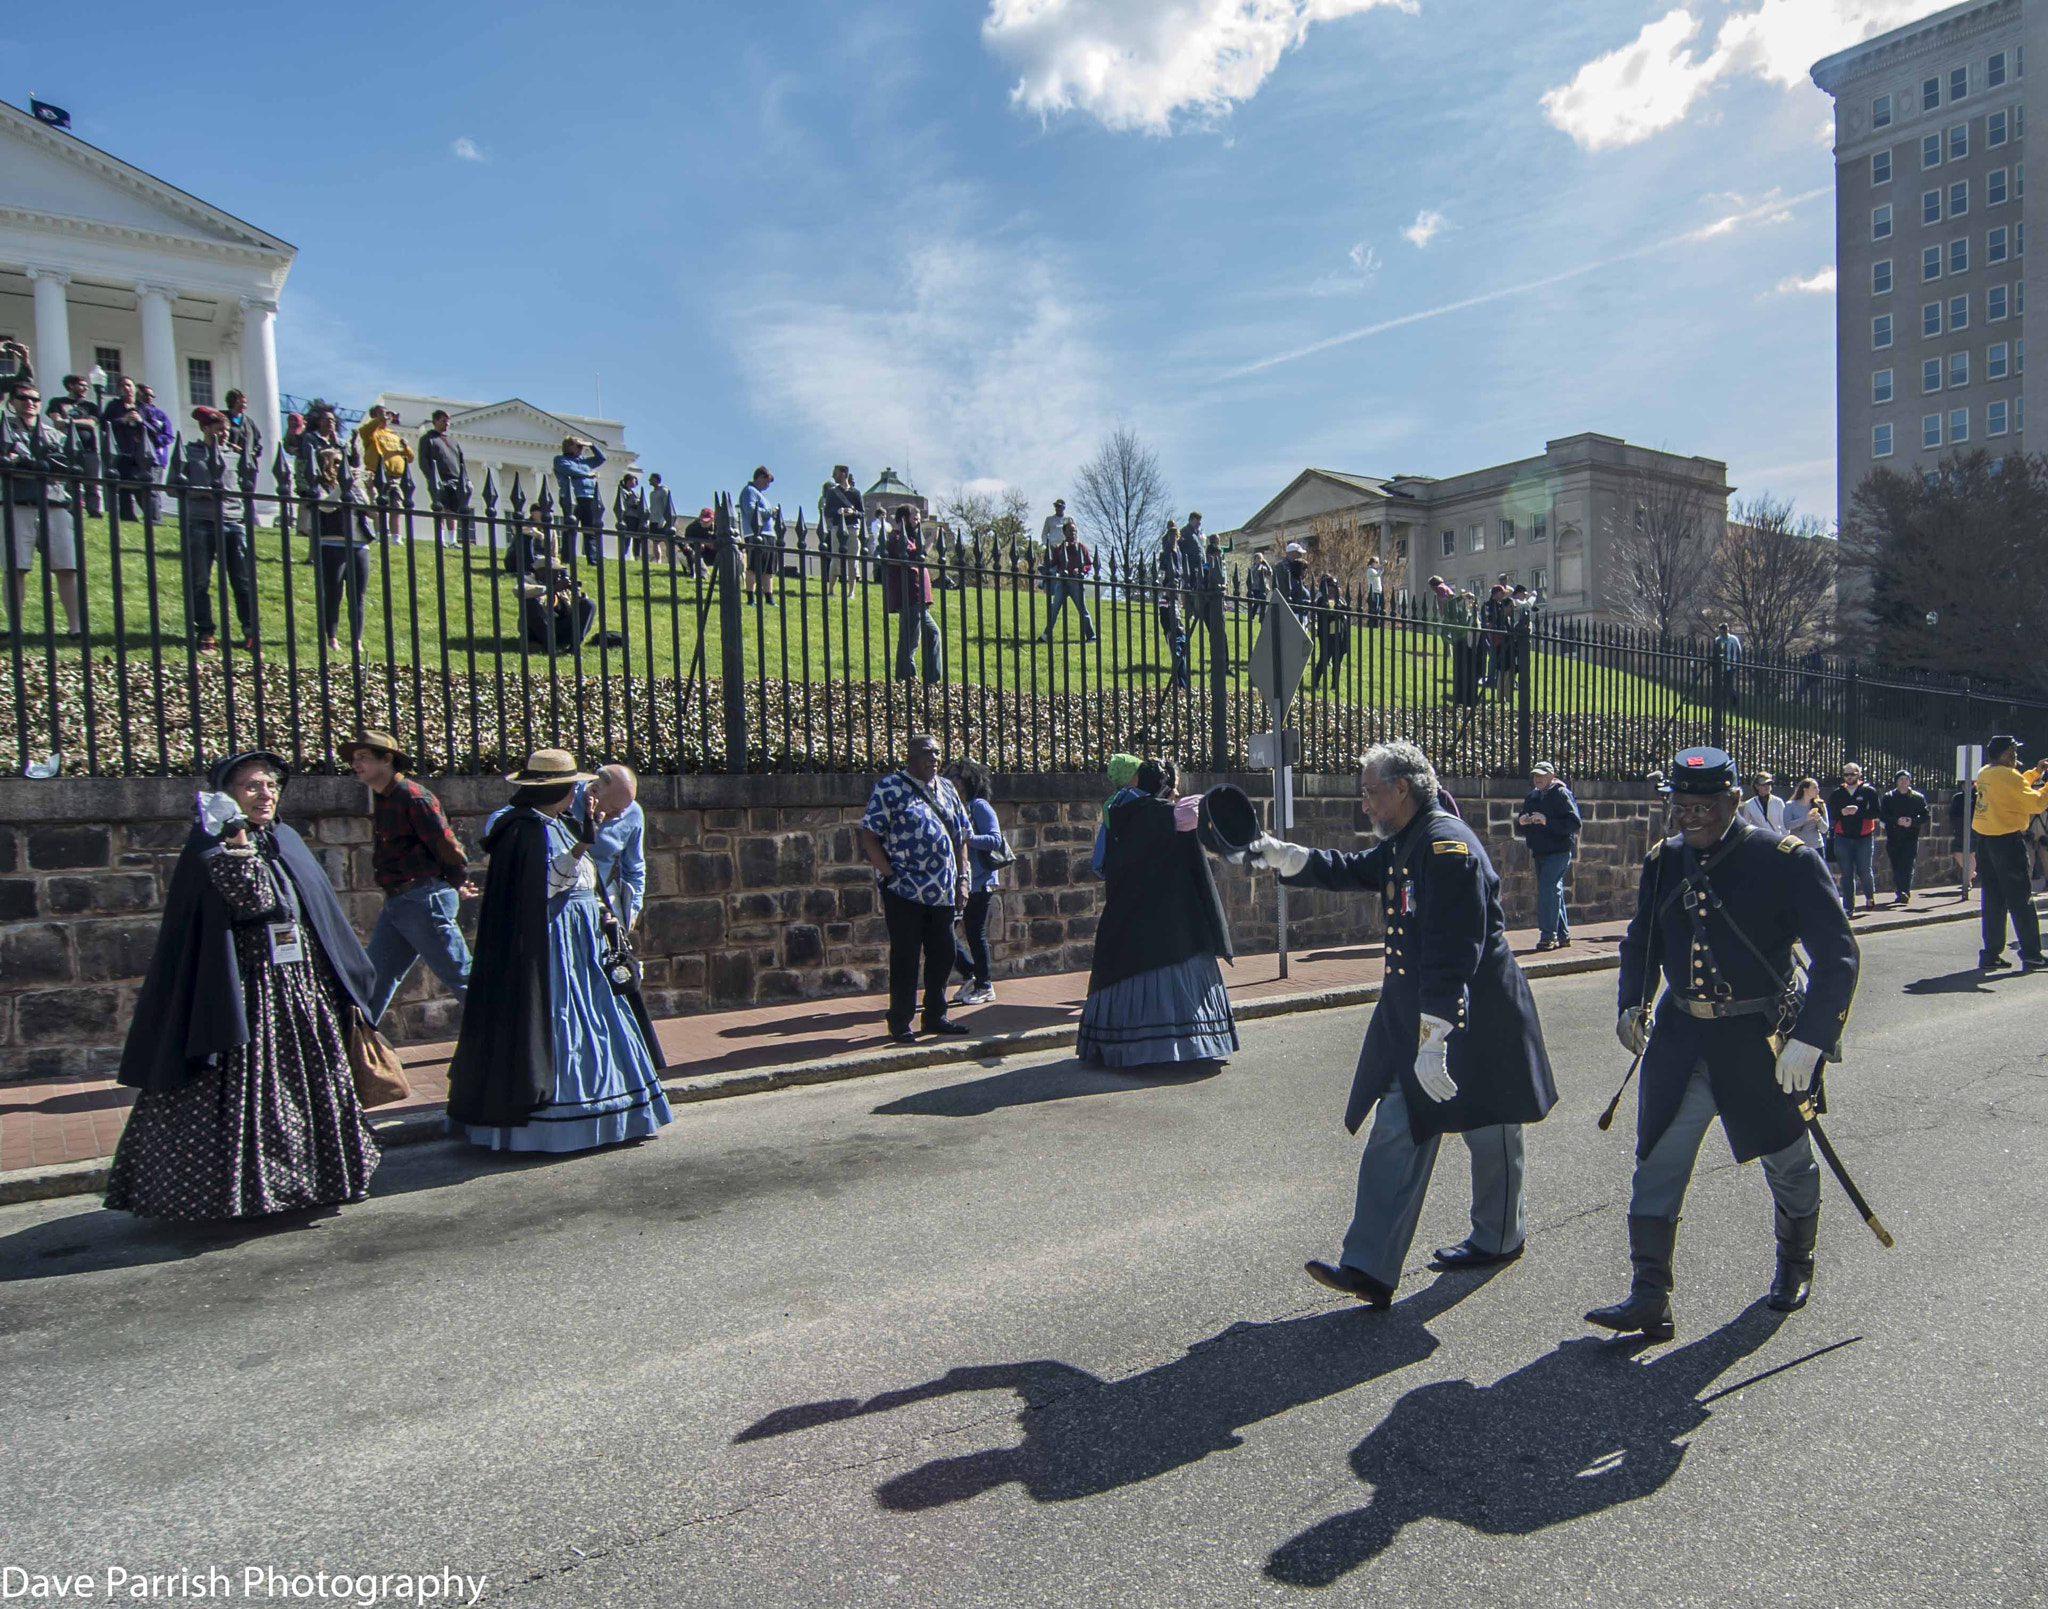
(757, 891)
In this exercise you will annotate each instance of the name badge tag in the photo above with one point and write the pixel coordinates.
(285, 943)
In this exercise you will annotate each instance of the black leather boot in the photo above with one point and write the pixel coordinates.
(1648, 1307)
(1795, 1263)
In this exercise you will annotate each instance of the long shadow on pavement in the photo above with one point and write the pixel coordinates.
(1084, 1436)
(1052, 1081)
(1970, 982)
(1582, 1429)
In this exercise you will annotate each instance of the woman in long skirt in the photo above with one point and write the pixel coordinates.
(549, 1059)
(1155, 993)
(239, 1042)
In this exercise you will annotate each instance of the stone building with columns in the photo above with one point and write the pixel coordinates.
(511, 438)
(105, 266)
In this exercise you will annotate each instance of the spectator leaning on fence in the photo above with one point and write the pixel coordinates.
(1905, 814)
(1549, 824)
(757, 534)
(37, 500)
(1855, 808)
(421, 869)
(914, 833)
(210, 533)
(576, 467)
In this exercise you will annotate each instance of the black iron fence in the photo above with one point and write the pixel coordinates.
(489, 625)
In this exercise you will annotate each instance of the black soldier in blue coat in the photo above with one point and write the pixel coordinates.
(1719, 908)
(1453, 1047)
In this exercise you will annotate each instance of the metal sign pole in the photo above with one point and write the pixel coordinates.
(1969, 761)
(1283, 816)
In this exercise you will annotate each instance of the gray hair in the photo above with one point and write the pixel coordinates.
(1402, 762)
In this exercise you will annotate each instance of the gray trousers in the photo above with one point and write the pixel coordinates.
(1393, 1177)
(1661, 1177)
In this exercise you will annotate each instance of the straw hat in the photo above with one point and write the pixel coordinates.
(548, 768)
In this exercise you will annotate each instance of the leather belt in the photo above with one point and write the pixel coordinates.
(1710, 1009)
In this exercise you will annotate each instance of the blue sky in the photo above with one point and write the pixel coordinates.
(967, 239)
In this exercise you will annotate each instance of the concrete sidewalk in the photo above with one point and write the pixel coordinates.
(56, 1135)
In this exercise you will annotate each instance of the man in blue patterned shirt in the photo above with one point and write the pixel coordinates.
(914, 833)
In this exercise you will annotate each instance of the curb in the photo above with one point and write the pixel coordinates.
(426, 1123)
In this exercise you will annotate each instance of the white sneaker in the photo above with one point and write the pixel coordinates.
(983, 995)
(967, 993)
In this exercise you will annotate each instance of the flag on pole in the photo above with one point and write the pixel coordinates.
(44, 112)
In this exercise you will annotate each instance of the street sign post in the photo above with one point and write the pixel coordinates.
(1279, 658)
(1969, 761)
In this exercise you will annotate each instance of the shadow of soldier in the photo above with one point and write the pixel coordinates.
(1583, 1428)
(1084, 1436)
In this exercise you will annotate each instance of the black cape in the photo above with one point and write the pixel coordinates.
(504, 1062)
(190, 1012)
(1162, 906)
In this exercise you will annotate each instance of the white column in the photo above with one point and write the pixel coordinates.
(259, 370)
(53, 328)
(160, 347)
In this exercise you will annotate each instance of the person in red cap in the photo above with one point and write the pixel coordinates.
(210, 529)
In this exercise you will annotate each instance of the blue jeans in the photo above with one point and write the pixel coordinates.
(1551, 922)
(1856, 867)
(418, 925)
(916, 626)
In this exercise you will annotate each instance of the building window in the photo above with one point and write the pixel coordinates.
(1997, 360)
(1881, 112)
(1930, 376)
(1994, 188)
(1959, 198)
(1881, 386)
(1994, 70)
(1507, 533)
(1930, 264)
(2019, 181)
(1930, 152)
(2019, 357)
(2019, 415)
(1959, 256)
(1450, 544)
(1538, 579)
(109, 358)
(1881, 168)
(1475, 538)
(1539, 527)
(1476, 585)
(1959, 142)
(199, 381)
(1881, 277)
(1930, 93)
(1958, 313)
(2019, 240)
(1994, 246)
(1958, 83)
(1958, 425)
(1958, 370)
(1881, 222)
(2019, 298)
(1995, 419)
(1880, 441)
(1930, 318)
(1880, 338)
(1930, 206)
(1930, 430)
(1994, 303)
(1994, 129)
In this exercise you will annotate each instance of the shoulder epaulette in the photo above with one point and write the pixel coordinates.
(1449, 846)
(1788, 846)
(1656, 849)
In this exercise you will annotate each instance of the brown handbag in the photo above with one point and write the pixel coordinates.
(378, 1073)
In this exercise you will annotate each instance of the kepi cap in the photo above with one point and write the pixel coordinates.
(1701, 770)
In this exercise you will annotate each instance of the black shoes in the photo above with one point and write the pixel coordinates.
(1794, 1281)
(947, 1028)
(1648, 1308)
(1349, 1281)
(1993, 963)
(1467, 1255)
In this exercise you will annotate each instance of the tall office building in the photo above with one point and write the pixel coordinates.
(1931, 239)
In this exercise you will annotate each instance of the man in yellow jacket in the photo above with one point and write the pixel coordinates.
(2007, 799)
(384, 450)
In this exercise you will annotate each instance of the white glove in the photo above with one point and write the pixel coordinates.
(1797, 1064)
(1431, 1071)
(1632, 1028)
(1276, 855)
(218, 813)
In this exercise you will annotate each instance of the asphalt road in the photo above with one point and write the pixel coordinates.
(1035, 1336)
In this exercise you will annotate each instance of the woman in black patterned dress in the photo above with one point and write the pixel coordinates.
(239, 1042)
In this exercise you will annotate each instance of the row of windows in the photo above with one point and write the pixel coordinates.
(1957, 84)
(2000, 302)
(2000, 128)
(2002, 360)
(2000, 186)
(1479, 586)
(2007, 416)
(1507, 534)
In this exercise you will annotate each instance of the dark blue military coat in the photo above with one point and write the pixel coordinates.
(1447, 956)
(1778, 890)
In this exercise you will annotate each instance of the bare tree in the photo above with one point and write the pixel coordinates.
(1662, 550)
(1344, 545)
(1774, 577)
(994, 525)
(1121, 498)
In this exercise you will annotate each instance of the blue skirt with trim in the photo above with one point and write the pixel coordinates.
(1174, 1013)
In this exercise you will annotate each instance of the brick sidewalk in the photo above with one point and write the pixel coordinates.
(46, 1123)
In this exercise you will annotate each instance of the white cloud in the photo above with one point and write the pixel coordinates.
(1820, 283)
(1365, 262)
(1427, 226)
(1134, 64)
(1364, 258)
(467, 149)
(1652, 83)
